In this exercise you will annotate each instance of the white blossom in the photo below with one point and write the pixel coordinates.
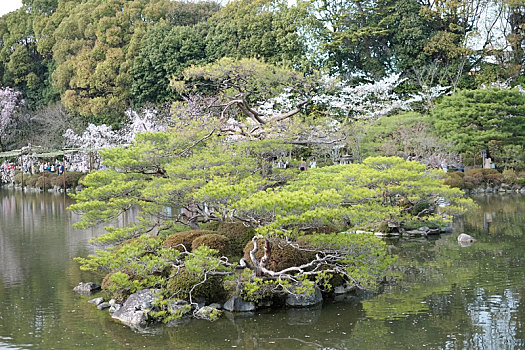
(10, 101)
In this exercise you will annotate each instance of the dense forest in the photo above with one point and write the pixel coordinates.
(67, 63)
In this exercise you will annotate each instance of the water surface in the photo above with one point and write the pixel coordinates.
(449, 297)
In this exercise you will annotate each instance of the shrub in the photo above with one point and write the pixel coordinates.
(492, 176)
(282, 254)
(31, 181)
(117, 285)
(182, 281)
(477, 177)
(420, 206)
(210, 226)
(474, 176)
(238, 234)
(455, 179)
(510, 176)
(185, 238)
(214, 241)
(71, 178)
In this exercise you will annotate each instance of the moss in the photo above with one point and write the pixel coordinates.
(181, 283)
(116, 285)
(185, 238)
(282, 255)
(214, 241)
(238, 235)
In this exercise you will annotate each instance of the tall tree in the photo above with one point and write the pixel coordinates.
(469, 120)
(269, 30)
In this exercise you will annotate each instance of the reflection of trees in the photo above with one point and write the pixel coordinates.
(37, 273)
(498, 215)
(468, 297)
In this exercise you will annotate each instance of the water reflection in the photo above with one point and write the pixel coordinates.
(450, 297)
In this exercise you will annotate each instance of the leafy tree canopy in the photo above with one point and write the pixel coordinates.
(470, 119)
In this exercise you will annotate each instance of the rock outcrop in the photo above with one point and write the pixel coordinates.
(134, 311)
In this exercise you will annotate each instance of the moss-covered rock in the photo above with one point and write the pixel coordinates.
(214, 241)
(182, 281)
(185, 238)
(238, 235)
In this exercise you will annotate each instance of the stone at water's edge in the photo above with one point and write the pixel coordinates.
(465, 240)
(87, 288)
(305, 300)
(96, 301)
(134, 310)
(237, 304)
(206, 312)
(103, 306)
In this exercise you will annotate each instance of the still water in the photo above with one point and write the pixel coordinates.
(449, 297)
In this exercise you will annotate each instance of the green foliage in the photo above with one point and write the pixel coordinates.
(510, 176)
(366, 259)
(212, 180)
(405, 134)
(350, 196)
(472, 119)
(256, 289)
(71, 180)
(473, 178)
(183, 282)
(142, 257)
(265, 29)
(166, 52)
(254, 79)
(455, 179)
(117, 285)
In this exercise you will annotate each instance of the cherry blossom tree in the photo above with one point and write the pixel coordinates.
(10, 102)
(97, 137)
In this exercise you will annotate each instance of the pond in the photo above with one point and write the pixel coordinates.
(447, 296)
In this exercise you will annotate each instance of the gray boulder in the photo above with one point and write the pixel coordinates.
(339, 290)
(216, 306)
(304, 299)
(434, 231)
(114, 308)
(179, 307)
(103, 306)
(465, 240)
(415, 233)
(87, 288)
(96, 301)
(134, 311)
(237, 304)
(207, 313)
